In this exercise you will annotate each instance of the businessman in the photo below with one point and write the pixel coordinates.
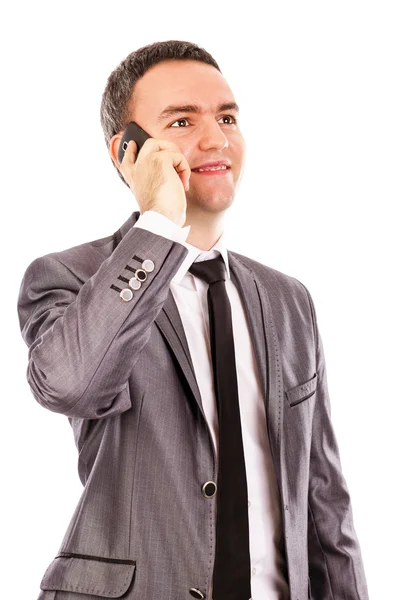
(193, 377)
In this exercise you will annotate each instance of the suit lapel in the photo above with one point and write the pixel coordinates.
(257, 307)
(170, 324)
(243, 279)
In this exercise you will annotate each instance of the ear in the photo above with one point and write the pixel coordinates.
(114, 147)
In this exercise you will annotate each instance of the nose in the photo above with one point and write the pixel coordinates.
(212, 136)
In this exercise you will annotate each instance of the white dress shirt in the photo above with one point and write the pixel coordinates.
(190, 294)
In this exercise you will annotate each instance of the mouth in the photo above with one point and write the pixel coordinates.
(218, 171)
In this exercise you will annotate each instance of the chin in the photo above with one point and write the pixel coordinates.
(214, 203)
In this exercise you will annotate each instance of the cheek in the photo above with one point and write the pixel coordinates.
(238, 157)
(237, 145)
(186, 146)
(188, 151)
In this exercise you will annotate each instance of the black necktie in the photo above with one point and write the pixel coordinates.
(231, 578)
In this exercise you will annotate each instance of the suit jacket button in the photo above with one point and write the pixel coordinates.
(209, 489)
(134, 283)
(196, 593)
(126, 294)
(141, 274)
(148, 265)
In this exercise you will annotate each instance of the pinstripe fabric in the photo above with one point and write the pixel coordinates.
(122, 373)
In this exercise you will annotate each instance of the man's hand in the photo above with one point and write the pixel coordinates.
(158, 177)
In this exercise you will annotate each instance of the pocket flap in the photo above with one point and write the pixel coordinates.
(302, 391)
(106, 577)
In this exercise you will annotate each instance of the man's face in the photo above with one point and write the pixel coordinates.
(210, 135)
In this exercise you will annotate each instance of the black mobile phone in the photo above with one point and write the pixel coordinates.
(132, 132)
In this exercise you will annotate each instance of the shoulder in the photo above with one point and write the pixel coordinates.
(274, 280)
(86, 252)
(288, 298)
(84, 259)
(81, 260)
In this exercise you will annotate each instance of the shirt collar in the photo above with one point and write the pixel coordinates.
(195, 255)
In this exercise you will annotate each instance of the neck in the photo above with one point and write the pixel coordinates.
(205, 228)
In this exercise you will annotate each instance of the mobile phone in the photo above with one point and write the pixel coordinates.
(132, 132)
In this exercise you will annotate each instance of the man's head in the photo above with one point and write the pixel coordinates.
(177, 73)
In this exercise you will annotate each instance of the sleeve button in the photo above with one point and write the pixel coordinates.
(141, 275)
(148, 265)
(134, 283)
(126, 294)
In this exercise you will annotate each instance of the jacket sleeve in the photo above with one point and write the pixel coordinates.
(83, 338)
(335, 564)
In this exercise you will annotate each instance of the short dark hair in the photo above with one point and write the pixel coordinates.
(115, 103)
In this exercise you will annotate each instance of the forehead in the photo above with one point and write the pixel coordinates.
(180, 82)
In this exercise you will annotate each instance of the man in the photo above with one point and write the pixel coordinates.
(199, 403)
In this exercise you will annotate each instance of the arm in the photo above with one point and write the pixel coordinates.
(335, 564)
(83, 338)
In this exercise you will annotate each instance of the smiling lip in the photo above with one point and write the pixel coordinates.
(219, 172)
(213, 163)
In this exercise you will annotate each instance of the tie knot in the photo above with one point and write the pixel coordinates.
(209, 270)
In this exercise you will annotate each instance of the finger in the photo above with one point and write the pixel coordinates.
(181, 166)
(128, 160)
(157, 145)
(130, 153)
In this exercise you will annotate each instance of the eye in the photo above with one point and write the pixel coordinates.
(230, 117)
(224, 117)
(178, 121)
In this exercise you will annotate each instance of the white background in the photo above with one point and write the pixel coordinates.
(318, 88)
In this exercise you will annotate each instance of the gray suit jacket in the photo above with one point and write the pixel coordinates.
(121, 372)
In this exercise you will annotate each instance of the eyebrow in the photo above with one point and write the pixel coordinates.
(173, 109)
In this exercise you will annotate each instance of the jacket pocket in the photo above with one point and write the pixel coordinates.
(303, 391)
(96, 575)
